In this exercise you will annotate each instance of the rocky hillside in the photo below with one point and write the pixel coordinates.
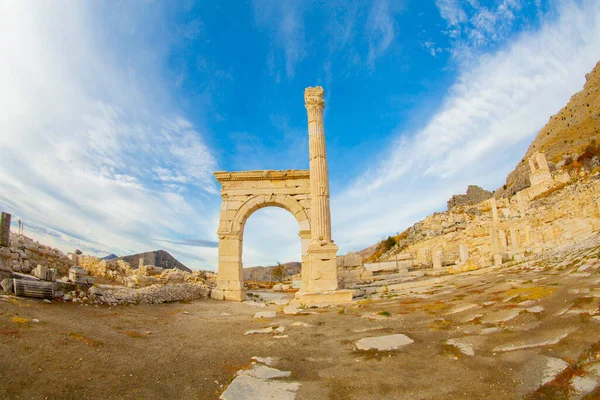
(570, 141)
(159, 258)
(264, 274)
(110, 257)
(568, 132)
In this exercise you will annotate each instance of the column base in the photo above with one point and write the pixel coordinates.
(229, 295)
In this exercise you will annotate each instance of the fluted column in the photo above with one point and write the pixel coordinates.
(319, 175)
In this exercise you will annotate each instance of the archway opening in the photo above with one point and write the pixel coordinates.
(271, 251)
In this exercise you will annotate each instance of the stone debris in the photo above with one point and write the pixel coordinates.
(79, 276)
(265, 314)
(384, 343)
(464, 347)
(374, 328)
(303, 324)
(269, 329)
(535, 309)
(291, 310)
(254, 304)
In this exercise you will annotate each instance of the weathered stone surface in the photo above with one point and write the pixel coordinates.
(384, 343)
(544, 339)
(474, 195)
(5, 229)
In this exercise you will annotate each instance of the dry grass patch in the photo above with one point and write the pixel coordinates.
(530, 293)
(20, 320)
(79, 337)
(440, 325)
(434, 308)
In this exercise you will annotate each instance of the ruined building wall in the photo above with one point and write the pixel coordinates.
(557, 209)
(23, 254)
(474, 195)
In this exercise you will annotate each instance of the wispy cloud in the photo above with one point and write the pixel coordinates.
(472, 26)
(380, 30)
(92, 158)
(192, 242)
(284, 22)
(479, 133)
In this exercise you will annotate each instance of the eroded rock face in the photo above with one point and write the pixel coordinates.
(568, 132)
(474, 195)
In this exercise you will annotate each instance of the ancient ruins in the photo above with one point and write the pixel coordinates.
(495, 298)
(303, 193)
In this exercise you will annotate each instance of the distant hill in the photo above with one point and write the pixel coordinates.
(160, 258)
(110, 257)
(568, 132)
(264, 274)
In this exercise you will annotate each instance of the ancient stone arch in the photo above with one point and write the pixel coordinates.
(244, 193)
(305, 194)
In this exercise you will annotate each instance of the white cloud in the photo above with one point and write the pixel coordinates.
(451, 11)
(482, 129)
(472, 26)
(80, 139)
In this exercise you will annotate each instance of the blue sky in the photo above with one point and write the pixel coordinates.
(115, 115)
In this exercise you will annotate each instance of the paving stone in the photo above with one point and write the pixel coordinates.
(249, 388)
(263, 372)
(265, 314)
(384, 343)
(461, 307)
(584, 384)
(462, 346)
(535, 310)
(265, 360)
(488, 331)
(501, 316)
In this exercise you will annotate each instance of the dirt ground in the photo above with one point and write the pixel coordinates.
(193, 350)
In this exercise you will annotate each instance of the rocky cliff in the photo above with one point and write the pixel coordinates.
(159, 258)
(568, 132)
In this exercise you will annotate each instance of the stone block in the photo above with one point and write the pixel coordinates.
(5, 229)
(217, 294)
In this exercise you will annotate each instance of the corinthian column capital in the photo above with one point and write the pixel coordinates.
(313, 98)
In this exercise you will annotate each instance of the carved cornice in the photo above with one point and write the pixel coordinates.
(313, 98)
(261, 175)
